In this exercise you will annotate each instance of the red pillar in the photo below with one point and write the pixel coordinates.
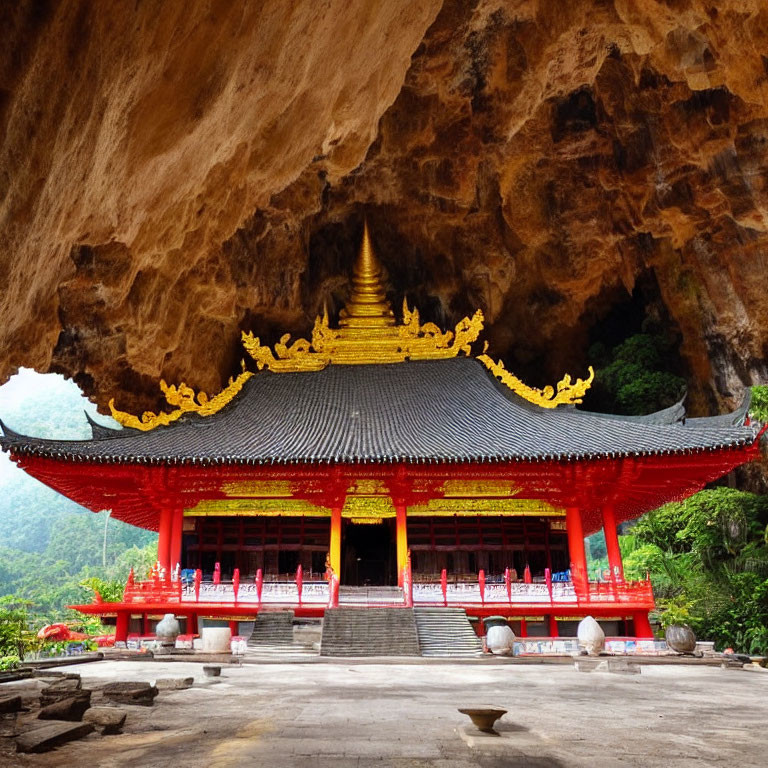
(575, 532)
(177, 525)
(553, 632)
(612, 544)
(233, 627)
(334, 554)
(642, 625)
(121, 628)
(164, 537)
(402, 539)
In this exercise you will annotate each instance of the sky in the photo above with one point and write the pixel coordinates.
(44, 405)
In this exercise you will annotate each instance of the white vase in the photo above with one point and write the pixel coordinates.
(591, 636)
(168, 629)
(500, 639)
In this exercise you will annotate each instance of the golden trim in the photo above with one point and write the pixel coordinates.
(258, 489)
(567, 392)
(188, 402)
(479, 488)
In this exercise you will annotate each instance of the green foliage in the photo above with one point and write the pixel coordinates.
(108, 591)
(709, 565)
(15, 635)
(9, 662)
(634, 377)
(759, 406)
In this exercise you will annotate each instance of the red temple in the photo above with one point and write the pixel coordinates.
(381, 455)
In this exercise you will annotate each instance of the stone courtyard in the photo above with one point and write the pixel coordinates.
(389, 713)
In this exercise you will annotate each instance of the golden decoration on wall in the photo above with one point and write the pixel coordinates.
(258, 488)
(567, 391)
(485, 508)
(256, 507)
(479, 488)
(187, 401)
(368, 506)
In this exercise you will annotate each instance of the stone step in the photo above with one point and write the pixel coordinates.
(272, 629)
(446, 632)
(369, 632)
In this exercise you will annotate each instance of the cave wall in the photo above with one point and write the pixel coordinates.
(171, 173)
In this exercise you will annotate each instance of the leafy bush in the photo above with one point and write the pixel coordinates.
(9, 662)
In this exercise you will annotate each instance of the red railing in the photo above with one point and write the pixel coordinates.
(483, 592)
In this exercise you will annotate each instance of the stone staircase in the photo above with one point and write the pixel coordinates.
(369, 632)
(273, 634)
(370, 595)
(446, 632)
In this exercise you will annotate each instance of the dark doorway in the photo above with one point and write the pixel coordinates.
(369, 557)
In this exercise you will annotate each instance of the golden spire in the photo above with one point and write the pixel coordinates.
(367, 306)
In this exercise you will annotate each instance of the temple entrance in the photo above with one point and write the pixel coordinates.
(368, 554)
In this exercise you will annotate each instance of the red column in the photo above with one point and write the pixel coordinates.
(642, 625)
(164, 537)
(335, 543)
(177, 525)
(575, 532)
(552, 625)
(121, 628)
(402, 539)
(612, 544)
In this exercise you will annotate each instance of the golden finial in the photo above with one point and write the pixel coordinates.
(367, 306)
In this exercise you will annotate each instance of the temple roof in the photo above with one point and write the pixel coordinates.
(450, 410)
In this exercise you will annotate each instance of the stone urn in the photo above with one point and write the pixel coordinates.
(499, 639)
(168, 629)
(591, 636)
(680, 638)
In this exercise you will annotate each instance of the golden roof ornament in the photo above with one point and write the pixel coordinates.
(367, 334)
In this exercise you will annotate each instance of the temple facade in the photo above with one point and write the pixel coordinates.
(381, 463)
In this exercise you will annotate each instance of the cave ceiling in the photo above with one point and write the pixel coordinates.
(173, 173)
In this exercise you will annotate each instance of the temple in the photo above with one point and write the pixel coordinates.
(381, 463)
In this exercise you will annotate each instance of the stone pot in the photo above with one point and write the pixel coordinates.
(168, 629)
(499, 639)
(680, 638)
(591, 636)
(484, 718)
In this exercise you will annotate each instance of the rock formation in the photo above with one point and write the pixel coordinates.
(171, 173)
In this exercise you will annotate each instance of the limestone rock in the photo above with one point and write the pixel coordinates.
(591, 636)
(168, 628)
(70, 708)
(51, 735)
(552, 163)
(109, 719)
(130, 693)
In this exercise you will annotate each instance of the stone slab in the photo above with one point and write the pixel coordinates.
(70, 708)
(131, 693)
(174, 683)
(51, 735)
(109, 719)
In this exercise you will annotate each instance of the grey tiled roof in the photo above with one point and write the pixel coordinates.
(445, 410)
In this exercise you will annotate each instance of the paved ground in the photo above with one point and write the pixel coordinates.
(347, 714)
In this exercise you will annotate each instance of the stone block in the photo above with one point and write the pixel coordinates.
(212, 670)
(174, 683)
(109, 719)
(10, 704)
(51, 735)
(131, 693)
(61, 688)
(70, 708)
